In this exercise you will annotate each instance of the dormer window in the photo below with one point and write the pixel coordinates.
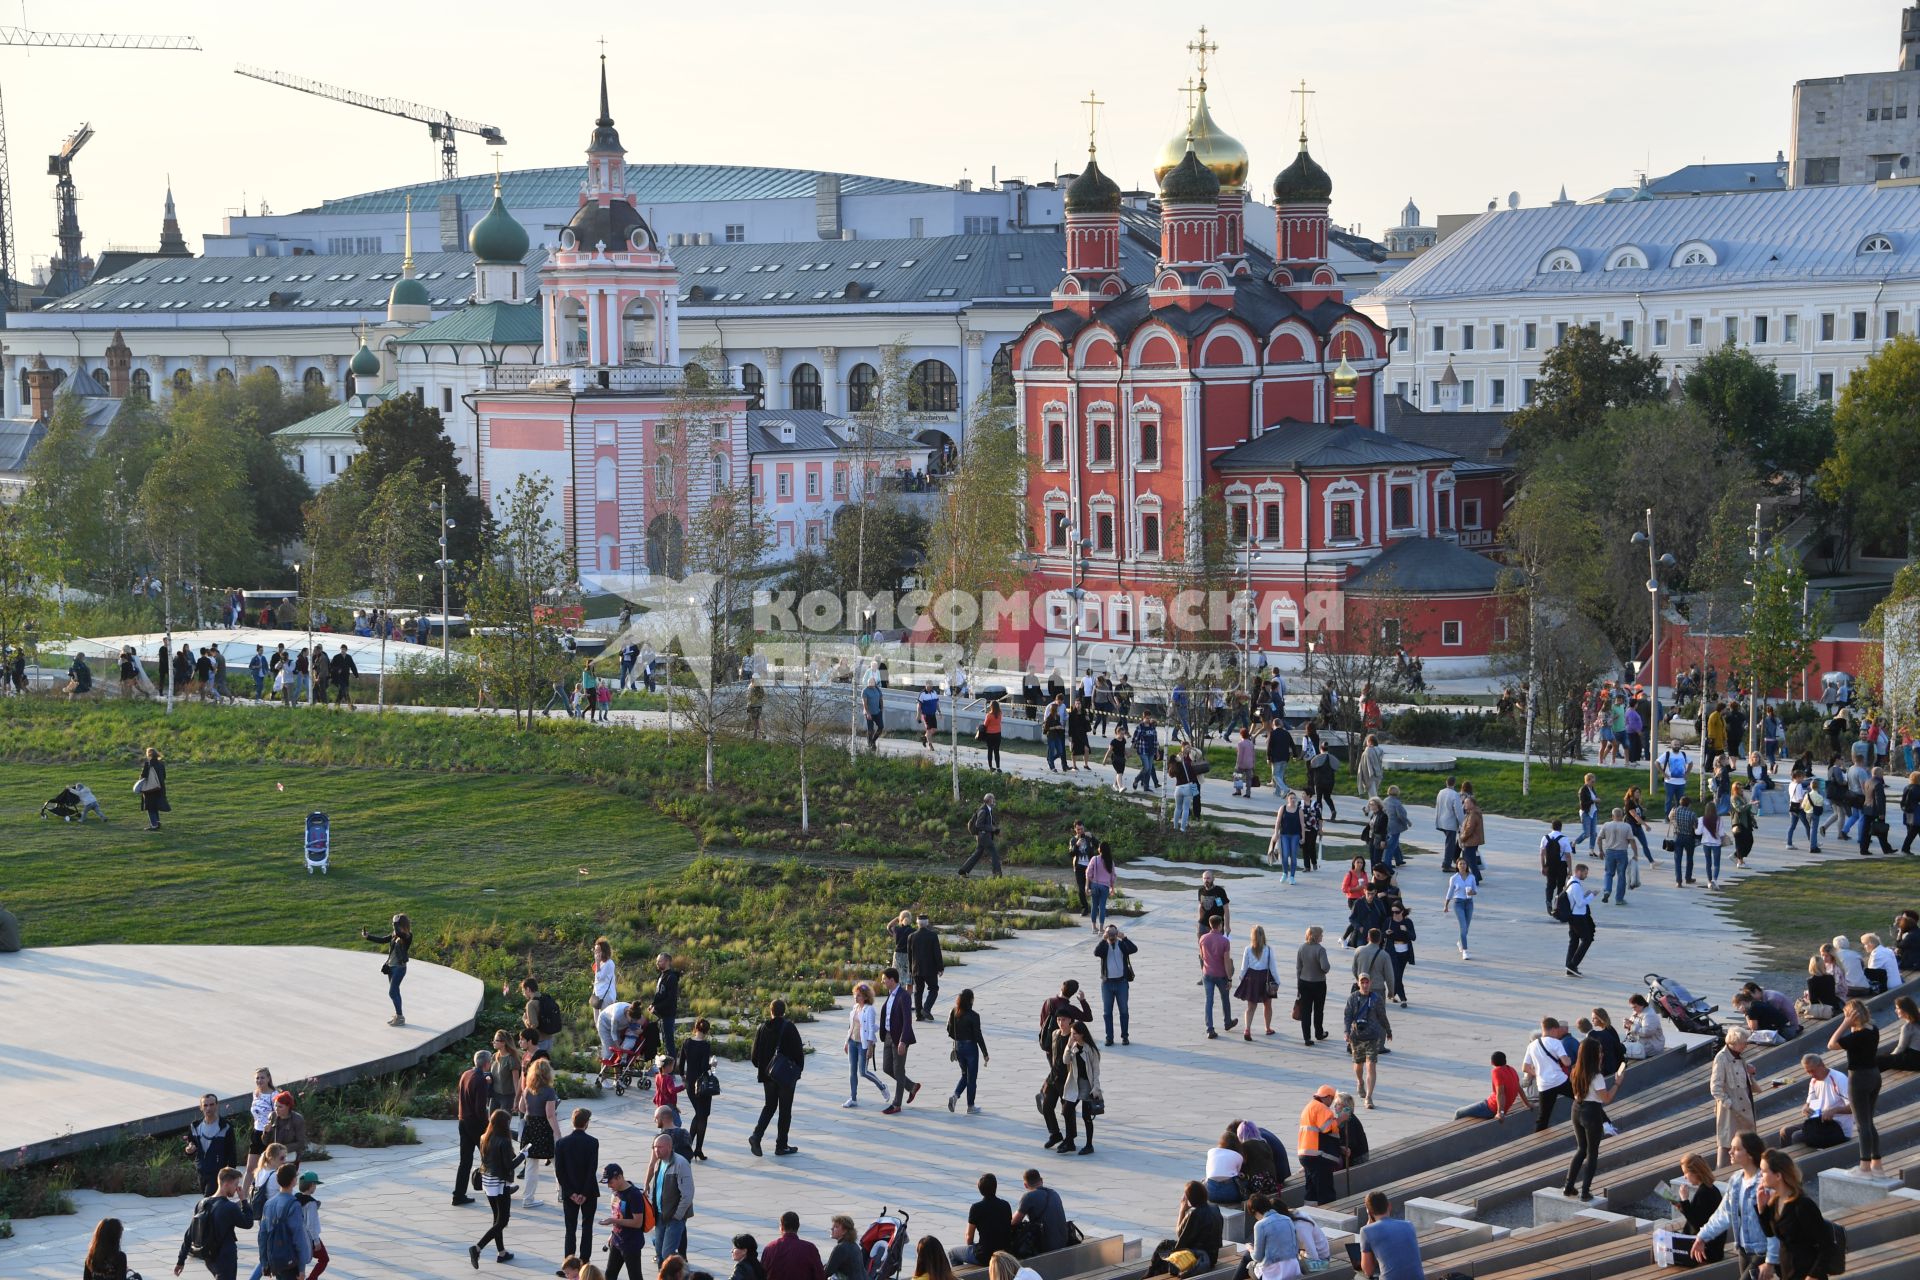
(1560, 260)
(1877, 243)
(1627, 258)
(1695, 253)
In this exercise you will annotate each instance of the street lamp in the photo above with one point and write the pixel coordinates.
(1252, 622)
(1077, 593)
(1654, 567)
(304, 584)
(446, 621)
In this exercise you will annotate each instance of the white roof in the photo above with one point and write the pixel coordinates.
(237, 643)
(1808, 235)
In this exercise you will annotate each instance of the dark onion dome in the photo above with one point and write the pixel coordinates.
(1190, 182)
(408, 292)
(1303, 181)
(365, 364)
(497, 237)
(616, 224)
(1093, 191)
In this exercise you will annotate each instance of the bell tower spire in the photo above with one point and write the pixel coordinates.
(606, 158)
(1093, 229)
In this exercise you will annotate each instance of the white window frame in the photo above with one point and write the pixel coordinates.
(1102, 505)
(1143, 508)
(1096, 420)
(1339, 492)
(1459, 633)
(1268, 494)
(1144, 417)
(1469, 521)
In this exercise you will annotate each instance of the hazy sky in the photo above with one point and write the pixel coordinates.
(1453, 102)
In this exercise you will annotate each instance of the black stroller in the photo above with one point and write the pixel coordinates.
(71, 804)
(884, 1244)
(1682, 1008)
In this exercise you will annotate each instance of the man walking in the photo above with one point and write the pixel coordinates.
(1146, 748)
(1114, 952)
(779, 1058)
(286, 1251)
(665, 1004)
(210, 1234)
(257, 668)
(873, 703)
(926, 963)
(1546, 1063)
(627, 1217)
(896, 1037)
(670, 1186)
(985, 827)
(342, 668)
(1080, 847)
(1446, 818)
(1589, 815)
(1616, 846)
(474, 1103)
(1367, 1031)
(576, 1158)
(1372, 960)
(1216, 972)
(1580, 901)
(1556, 852)
(1674, 768)
(541, 1014)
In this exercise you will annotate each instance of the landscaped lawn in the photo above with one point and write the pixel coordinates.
(1794, 911)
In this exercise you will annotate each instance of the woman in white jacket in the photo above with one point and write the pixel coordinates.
(1645, 1037)
(604, 982)
(863, 1029)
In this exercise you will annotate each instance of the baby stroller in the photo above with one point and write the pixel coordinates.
(884, 1243)
(630, 1064)
(1680, 1007)
(65, 806)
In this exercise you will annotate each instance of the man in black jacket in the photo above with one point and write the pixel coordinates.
(985, 827)
(777, 1038)
(227, 1213)
(576, 1164)
(926, 964)
(342, 669)
(474, 1105)
(666, 1000)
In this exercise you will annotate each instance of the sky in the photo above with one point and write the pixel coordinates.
(1450, 102)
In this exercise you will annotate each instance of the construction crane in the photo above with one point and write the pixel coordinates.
(63, 277)
(24, 37)
(442, 126)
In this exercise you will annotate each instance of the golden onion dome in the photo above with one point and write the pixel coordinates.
(1345, 378)
(1219, 150)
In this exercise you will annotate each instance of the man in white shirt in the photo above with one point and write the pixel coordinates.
(1446, 817)
(1556, 855)
(1546, 1063)
(1826, 1119)
(1580, 923)
(1880, 967)
(1674, 768)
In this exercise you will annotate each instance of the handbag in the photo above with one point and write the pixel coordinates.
(1273, 987)
(475, 1180)
(783, 1071)
(1295, 1016)
(1667, 844)
(1633, 870)
(1097, 1105)
(147, 783)
(707, 1086)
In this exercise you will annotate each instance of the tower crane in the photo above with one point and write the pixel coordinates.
(64, 277)
(27, 38)
(442, 126)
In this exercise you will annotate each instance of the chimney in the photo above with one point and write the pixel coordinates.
(40, 384)
(119, 368)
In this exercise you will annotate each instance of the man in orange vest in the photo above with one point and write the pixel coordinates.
(1320, 1150)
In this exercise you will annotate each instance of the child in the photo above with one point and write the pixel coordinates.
(666, 1090)
(311, 1207)
(603, 696)
(1117, 757)
(89, 803)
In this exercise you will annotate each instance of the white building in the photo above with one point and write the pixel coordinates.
(1813, 280)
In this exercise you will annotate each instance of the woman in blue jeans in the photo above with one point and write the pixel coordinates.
(1284, 848)
(863, 1029)
(398, 943)
(1710, 826)
(969, 1047)
(1462, 889)
(1100, 881)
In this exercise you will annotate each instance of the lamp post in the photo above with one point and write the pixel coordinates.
(303, 580)
(1753, 584)
(446, 621)
(1654, 566)
(1077, 593)
(1252, 622)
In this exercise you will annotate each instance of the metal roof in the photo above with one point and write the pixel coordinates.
(304, 285)
(337, 420)
(1021, 269)
(1473, 437)
(1708, 179)
(489, 324)
(811, 433)
(1427, 566)
(651, 183)
(19, 437)
(1315, 446)
(1807, 235)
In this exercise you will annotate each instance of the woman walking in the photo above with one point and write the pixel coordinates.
(1079, 1067)
(106, 1260)
(1258, 982)
(1309, 838)
(1353, 886)
(1116, 759)
(1710, 826)
(1473, 832)
(152, 787)
(1310, 968)
(497, 1163)
(1100, 882)
(1462, 888)
(398, 943)
(1636, 815)
(505, 1071)
(540, 1104)
(606, 984)
(1859, 1039)
(1399, 938)
(1786, 1215)
(1591, 1093)
(863, 1029)
(990, 728)
(260, 1107)
(1283, 848)
(1744, 818)
(970, 1050)
(696, 1065)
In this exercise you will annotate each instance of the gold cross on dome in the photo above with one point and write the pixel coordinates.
(1200, 49)
(1189, 91)
(1093, 105)
(1303, 93)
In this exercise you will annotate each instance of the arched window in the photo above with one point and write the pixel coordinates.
(142, 386)
(663, 485)
(638, 330)
(722, 471)
(606, 482)
(932, 387)
(183, 380)
(224, 376)
(804, 387)
(59, 379)
(754, 383)
(1002, 375)
(312, 379)
(861, 383)
(1695, 253)
(666, 546)
(1877, 244)
(272, 373)
(697, 379)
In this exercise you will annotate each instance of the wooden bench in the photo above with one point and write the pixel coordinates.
(1867, 1227)
(1434, 1243)
(1523, 1248)
(1091, 1254)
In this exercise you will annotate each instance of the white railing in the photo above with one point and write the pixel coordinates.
(581, 378)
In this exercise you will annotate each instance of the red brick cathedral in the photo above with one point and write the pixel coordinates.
(1244, 376)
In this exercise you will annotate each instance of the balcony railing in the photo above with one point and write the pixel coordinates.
(581, 378)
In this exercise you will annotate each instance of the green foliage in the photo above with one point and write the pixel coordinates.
(1483, 730)
(518, 580)
(1581, 380)
(1874, 472)
(977, 540)
(23, 599)
(1741, 394)
(875, 546)
(1780, 635)
(403, 431)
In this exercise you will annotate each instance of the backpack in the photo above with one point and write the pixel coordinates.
(1833, 1254)
(1676, 762)
(1562, 907)
(200, 1231)
(276, 1241)
(550, 1018)
(1363, 1025)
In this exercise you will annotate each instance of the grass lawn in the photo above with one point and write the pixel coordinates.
(1794, 911)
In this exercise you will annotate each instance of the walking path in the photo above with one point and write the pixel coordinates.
(1169, 1094)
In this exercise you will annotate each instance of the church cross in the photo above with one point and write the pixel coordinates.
(1303, 93)
(1093, 105)
(1200, 49)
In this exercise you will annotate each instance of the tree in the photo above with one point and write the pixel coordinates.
(976, 543)
(246, 413)
(1875, 468)
(62, 503)
(1895, 622)
(1580, 381)
(726, 546)
(395, 538)
(888, 413)
(196, 513)
(1553, 581)
(22, 587)
(1782, 623)
(804, 715)
(1788, 438)
(403, 430)
(875, 545)
(1361, 654)
(523, 569)
(1201, 580)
